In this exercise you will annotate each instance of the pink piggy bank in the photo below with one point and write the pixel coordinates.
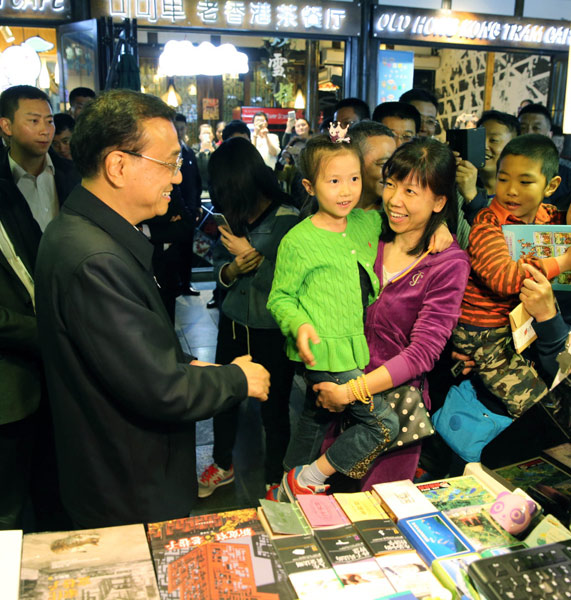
(512, 512)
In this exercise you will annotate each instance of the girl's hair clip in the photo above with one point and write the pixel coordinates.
(337, 133)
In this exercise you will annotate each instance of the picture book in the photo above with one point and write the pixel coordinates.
(402, 499)
(383, 536)
(208, 556)
(282, 518)
(322, 511)
(531, 472)
(452, 572)
(408, 573)
(364, 578)
(479, 528)
(434, 536)
(359, 506)
(342, 544)
(112, 562)
(456, 492)
(540, 241)
(10, 558)
(488, 478)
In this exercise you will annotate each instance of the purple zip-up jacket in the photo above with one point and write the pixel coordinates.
(407, 328)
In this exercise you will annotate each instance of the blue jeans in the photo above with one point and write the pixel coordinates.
(357, 447)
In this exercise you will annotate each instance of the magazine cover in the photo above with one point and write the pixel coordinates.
(111, 562)
(456, 492)
(540, 241)
(342, 544)
(382, 536)
(213, 556)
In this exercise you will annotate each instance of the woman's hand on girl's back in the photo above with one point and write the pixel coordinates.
(305, 334)
(234, 244)
(441, 240)
(331, 396)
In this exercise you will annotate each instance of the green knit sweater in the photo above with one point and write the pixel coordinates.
(316, 281)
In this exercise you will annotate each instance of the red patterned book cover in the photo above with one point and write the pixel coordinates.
(218, 556)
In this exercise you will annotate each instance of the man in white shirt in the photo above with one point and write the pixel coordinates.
(43, 179)
(267, 144)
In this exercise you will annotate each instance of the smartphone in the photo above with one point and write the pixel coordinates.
(291, 114)
(221, 221)
(457, 368)
(469, 143)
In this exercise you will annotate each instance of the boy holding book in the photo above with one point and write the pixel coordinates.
(527, 174)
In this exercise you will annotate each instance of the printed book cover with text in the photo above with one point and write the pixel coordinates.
(540, 241)
(456, 492)
(217, 556)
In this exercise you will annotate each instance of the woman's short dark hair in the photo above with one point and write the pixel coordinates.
(260, 113)
(432, 164)
(114, 120)
(240, 181)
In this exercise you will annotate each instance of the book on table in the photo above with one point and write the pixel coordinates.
(80, 564)
(456, 492)
(211, 555)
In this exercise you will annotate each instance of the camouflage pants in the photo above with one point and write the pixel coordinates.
(503, 371)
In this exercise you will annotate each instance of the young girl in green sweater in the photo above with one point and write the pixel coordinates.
(323, 281)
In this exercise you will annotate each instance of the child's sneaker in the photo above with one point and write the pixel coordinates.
(292, 488)
(213, 477)
(272, 492)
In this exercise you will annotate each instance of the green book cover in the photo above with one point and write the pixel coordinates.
(284, 518)
(456, 492)
(528, 473)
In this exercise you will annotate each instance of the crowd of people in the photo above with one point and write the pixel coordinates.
(365, 256)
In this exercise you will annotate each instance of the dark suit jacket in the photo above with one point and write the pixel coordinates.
(123, 397)
(20, 367)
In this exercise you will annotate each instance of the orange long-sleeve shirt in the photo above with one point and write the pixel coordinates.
(495, 278)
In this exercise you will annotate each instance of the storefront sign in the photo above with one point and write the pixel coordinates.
(35, 9)
(329, 18)
(415, 24)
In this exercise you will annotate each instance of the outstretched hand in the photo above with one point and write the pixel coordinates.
(257, 376)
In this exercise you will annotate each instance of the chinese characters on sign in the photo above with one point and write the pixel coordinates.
(274, 15)
(276, 64)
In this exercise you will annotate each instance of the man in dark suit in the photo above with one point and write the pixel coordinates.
(123, 394)
(34, 185)
(20, 364)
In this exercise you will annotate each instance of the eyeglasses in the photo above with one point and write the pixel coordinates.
(405, 137)
(430, 121)
(175, 167)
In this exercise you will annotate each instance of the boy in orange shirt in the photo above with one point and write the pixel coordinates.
(527, 173)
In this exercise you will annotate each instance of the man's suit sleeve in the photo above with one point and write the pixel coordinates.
(129, 349)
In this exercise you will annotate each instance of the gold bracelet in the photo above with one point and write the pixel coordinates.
(366, 393)
(354, 389)
(369, 395)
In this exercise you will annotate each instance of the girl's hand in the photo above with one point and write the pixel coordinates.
(331, 396)
(305, 334)
(469, 364)
(441, 239)
(234, 244)
(537, 295)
